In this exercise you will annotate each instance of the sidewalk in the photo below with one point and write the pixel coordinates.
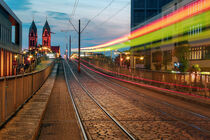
(43, 64)
(60, 122)
(25, 125)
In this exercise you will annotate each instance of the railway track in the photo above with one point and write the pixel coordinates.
(108, 122)
(196, 123)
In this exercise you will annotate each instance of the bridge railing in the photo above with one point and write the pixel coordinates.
(190, 83)
(16, 90)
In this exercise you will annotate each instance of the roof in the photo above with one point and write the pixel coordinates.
(46, 26)
(9, 11)
(33, 27)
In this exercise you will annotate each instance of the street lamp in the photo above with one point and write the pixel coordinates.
(142, 58)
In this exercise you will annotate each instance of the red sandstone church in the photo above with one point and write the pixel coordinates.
(46, 39)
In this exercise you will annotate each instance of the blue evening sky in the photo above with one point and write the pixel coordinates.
(58, 12)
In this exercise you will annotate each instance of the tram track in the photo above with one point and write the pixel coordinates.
(191, 117)
(81, 120)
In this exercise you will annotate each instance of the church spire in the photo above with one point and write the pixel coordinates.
(47, 27)
(46, 35)
(33, 27)
(32, 36)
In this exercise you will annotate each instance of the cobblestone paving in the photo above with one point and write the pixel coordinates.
(141, 116)
(96, 122)
(60, 122)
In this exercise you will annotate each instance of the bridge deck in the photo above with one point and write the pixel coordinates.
(60, 120)
(26, 123)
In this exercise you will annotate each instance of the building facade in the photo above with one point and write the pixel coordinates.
(186, 41)
(10, 40)
(56, 51)
(46, 36)
(142, 10)
(33, 36)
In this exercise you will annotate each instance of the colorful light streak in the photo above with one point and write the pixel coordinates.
(171, 24)
(144, 85)
(170, 31)
(144, 79)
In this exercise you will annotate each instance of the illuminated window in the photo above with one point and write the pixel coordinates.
(45, 33)
(198, 53)
(195, 30)
(157, 57)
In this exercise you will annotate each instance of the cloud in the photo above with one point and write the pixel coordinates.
(58, 15)
(19, 4)
(58, 12)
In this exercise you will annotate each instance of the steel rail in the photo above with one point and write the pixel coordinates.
(146, 96)
(153, 108)
(75, 107)
(101, 107)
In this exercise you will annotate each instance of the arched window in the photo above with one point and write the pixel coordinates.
(46, 33)
(30, 42)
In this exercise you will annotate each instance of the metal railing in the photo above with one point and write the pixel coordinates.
(191, 83)
(16, 90)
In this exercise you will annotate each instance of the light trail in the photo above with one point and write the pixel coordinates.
(144, 79)
(144, 85)
(173, 24)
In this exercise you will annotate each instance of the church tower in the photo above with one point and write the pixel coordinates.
(33, 36)
(46, 36)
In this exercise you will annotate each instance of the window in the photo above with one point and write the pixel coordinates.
(30, 42)
(45, 43)
(195, 30)
(45, 33)
(0, 31)
(198, 53)
(152, 4)
(163, 2)
(167, 57)
(157, 57)
(139, 3)
(13, 34)
(151, 13)
(139, 16)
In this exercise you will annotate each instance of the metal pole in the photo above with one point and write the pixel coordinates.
(111, 54)
(69, 46)
(120, 59)
(67, 50)
(79, 49)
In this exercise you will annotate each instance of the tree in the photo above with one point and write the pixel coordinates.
(182, 54)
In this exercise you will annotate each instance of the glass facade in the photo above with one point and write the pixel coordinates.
(141, 10)
(5, 34)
